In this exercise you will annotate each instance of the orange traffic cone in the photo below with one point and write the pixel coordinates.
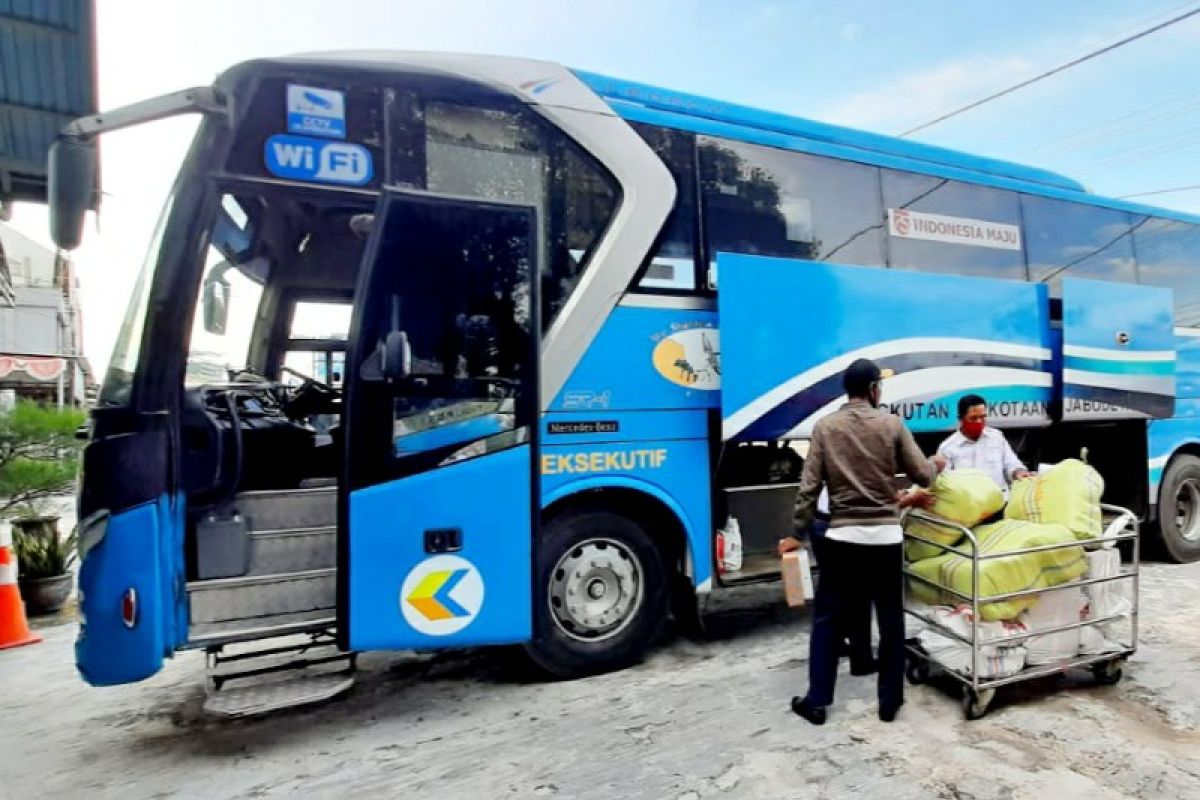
(14, 630)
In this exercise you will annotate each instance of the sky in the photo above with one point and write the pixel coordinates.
(1126, 122)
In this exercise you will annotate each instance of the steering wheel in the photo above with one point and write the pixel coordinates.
(308, 380)
(310, 397)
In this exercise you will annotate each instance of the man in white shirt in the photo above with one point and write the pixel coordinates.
(980, 447)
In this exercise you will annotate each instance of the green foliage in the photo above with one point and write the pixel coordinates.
(43, 554)
(39, 455)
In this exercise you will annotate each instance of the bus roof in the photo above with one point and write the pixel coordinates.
(643, 103)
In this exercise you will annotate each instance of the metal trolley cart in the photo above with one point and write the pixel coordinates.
(1121, 526)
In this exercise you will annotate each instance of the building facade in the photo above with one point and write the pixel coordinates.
(41, 332)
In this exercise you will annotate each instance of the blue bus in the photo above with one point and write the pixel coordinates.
(569, 326)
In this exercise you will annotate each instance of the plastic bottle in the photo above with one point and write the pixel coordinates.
(731, 553)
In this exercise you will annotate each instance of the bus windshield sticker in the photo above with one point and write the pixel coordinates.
(316, 112)
(905, 224)
(303, 159)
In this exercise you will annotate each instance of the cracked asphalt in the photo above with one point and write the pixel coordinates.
(696, 720)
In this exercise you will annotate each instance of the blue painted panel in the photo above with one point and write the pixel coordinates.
(647, 358)
(939, 337)
(141, 550)
(675, 472)
(401, 597)
(1166, 436)
(1187, 373)
(1118, 351)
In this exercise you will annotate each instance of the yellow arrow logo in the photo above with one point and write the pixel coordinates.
(432, 598)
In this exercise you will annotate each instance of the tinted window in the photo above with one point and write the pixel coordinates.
(1168, 254)
(780, 203)
(500, 154)
(672, 265)
(1071, 240)
(977, 228)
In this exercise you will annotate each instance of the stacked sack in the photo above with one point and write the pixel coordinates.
(963, 496)
(1067, 494)
(1058, 507)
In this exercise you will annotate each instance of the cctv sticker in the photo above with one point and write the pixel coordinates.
(316, 112)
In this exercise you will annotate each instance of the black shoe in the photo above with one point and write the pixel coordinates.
(888, 713)
(814, 714)
(864, 667)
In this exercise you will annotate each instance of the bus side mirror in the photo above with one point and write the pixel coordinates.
(71, 170)
(396, 356)
(216, 306)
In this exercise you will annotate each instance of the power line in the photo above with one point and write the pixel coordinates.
(1126, 123)
(1075, 62)
(1193, 188)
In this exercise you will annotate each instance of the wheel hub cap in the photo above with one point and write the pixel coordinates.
(595, 590)
(1187, 509)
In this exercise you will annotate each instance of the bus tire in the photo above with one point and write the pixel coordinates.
(600, 594)
(1179, 510)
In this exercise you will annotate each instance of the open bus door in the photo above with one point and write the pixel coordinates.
(437, 506)
(1118, 351)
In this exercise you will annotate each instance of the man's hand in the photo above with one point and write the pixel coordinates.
(917, 498)
(789, 544)
(1021, 474)
(939, 461)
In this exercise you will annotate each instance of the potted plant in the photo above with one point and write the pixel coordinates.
(44, 560)
(39, 461)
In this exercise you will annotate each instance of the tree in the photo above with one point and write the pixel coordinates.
(39, 455)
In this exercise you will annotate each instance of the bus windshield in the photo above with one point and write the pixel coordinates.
(118, 381)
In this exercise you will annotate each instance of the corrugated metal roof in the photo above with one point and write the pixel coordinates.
(47, 78)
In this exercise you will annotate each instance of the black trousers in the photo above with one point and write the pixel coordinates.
(854, 637)
(854, 579)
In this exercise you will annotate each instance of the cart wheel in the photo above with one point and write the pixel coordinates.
(1109, 673)
(918, 671)
(976, 705)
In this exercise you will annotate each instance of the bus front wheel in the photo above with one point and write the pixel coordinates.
(601, 594)
(1179, 509)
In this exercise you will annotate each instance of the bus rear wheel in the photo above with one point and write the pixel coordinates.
(1179, 509)
(601, 594)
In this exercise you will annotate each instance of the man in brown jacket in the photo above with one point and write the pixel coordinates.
(856, 452)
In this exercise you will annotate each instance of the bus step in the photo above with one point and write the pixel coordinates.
(259, 597)
(296, 550)
(285, 509)
(210, 634)
(299, 671)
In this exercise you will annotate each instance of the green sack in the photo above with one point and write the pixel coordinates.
(965, 496)
(999, 576)
(1066, 494)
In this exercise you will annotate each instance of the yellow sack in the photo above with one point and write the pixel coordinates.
(999, 576)
(1066, 494)
(965, 496)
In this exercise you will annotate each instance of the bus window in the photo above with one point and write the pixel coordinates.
(944, 226)
(672, 264)
(780, 203)
(1168, 254)
(320, 320)
(501, 154)
(1073, 240)
(218, 351)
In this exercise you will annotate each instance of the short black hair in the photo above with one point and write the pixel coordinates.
(967, 402)
(859, 376)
